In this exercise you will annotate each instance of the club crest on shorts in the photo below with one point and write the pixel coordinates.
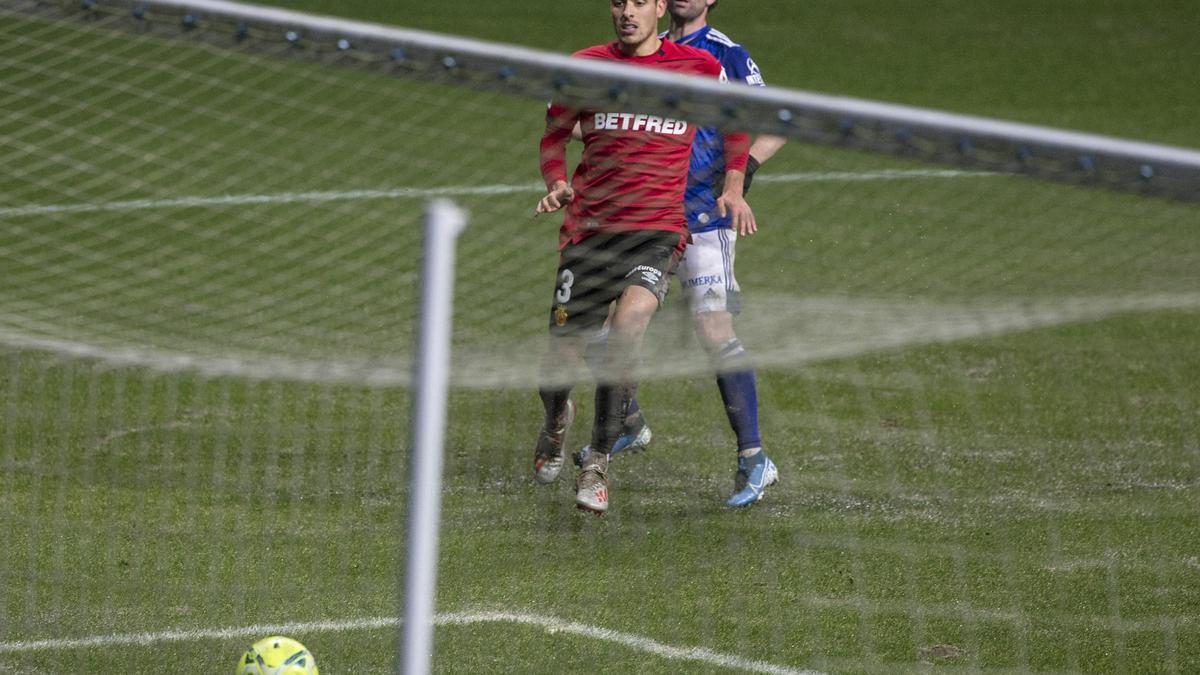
(560, 315)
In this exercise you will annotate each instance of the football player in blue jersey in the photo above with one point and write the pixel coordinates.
(706, 271)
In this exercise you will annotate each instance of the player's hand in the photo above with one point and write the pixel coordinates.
(559, 196)
(731, 203)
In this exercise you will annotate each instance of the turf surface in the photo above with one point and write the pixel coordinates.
(981, 390)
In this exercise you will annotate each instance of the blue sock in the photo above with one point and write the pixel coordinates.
(739, 391)
(633, 405)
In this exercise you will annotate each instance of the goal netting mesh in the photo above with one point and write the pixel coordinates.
(210, 245)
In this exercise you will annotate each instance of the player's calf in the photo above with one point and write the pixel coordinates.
(635, 437)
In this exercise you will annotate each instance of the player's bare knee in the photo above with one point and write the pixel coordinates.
(633, 312)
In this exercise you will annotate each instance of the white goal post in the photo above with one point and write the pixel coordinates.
(443, 223)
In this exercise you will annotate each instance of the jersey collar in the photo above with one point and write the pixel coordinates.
(694, 36)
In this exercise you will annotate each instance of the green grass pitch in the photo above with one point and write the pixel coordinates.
(981, 390)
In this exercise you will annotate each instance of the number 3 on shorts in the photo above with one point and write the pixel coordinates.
(566, 279)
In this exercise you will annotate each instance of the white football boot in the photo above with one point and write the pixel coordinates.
(591, 485)
(548, 454)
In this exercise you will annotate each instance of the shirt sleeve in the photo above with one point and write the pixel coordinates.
(737, 143)
(737, 150)
(560, 120)
(741, 68)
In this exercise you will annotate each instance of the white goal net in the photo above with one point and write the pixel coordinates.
(210, 256)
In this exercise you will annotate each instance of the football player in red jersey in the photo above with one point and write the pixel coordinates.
(706, 271)
(622, 233)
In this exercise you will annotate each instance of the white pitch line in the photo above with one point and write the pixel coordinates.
(886, 174)
(425, 193)
(630, 640)
(549, 623)
(277, 198)
(149, 639)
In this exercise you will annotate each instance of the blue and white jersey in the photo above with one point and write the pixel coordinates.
(708, 150)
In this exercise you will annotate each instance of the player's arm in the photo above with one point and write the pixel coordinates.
(732, 201)
(553, 152)
(763, 148)
(740, 67)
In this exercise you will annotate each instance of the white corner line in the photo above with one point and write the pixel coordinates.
(551, 624)
(636, 642)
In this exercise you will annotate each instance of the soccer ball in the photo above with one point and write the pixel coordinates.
(277, 655)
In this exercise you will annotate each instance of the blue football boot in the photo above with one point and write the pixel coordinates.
(754, 475)
(632, 439)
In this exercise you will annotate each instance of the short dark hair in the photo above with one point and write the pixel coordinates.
(714, 5)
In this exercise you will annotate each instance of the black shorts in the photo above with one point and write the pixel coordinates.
(595, 271)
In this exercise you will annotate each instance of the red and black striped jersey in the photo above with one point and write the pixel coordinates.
(634, 166)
